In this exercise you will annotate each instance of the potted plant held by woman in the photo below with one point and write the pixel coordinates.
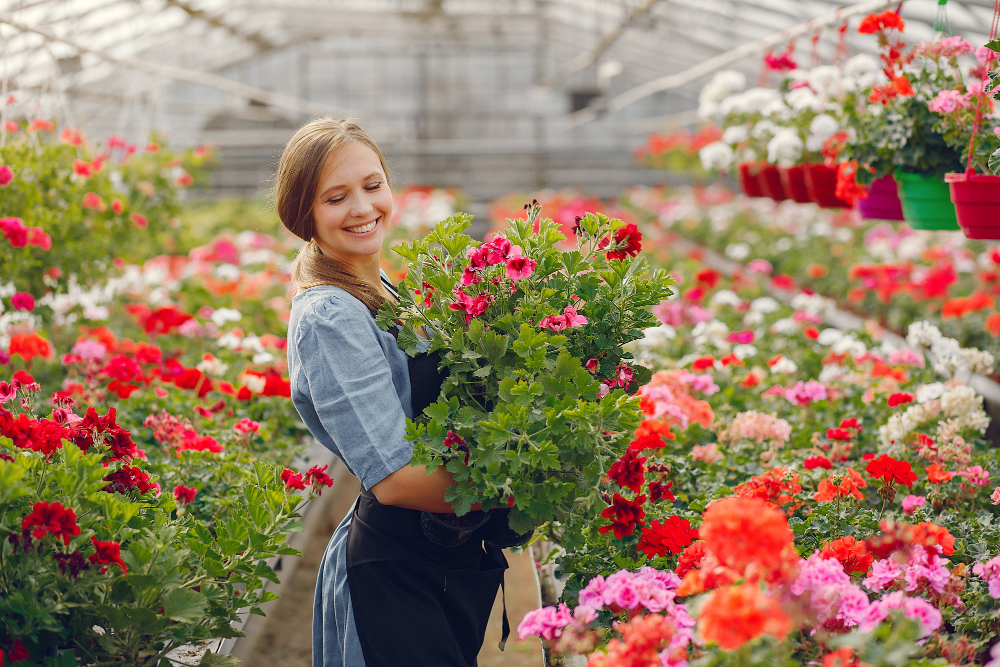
(537, 400)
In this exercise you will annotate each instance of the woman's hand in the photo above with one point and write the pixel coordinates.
(411, 487)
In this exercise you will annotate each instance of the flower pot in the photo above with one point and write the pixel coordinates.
(770, 179)
(822, 183)
(926, 202)
(794, 181)
(449, 530)
(749, 179)
(977, 203)
(497, 531)
(882, 202)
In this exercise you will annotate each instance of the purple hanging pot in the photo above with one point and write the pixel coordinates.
(882, 202)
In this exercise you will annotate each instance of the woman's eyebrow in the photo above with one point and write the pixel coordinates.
(341, 187)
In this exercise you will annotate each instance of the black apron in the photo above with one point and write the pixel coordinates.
(417, 603)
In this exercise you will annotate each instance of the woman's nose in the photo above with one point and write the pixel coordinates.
(362, 206)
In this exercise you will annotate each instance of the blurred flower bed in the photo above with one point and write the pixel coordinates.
(145, 426)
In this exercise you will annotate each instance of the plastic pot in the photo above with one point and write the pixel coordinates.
(794, 181)
(449, 530)
(749, 179)
(770, 179)
(977, 203)
(882, 202)
(497, 531)
(822, 183)
(926, 202)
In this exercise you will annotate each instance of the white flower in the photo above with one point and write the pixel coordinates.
(254, 383)
(764, 304)
(928, 392)
(753, 319)
(763, 129)
(960, 401)
(738, 251)
(263, 358)
(253, 344)
(717, 156)
(744, 351)
(785, 326)
(863, 69)
(723, 85)
(922, 334)
(223, 315)
(726, 297)
(783, 244)
(823, 78)
(784, 365)
(753, 101)
(736, 134)
(777, 109)
(227, 272)
(803, 98)
(785, 148)
(848, 343)
(712, 332)
(831, 372)
(230, 341)
(821, 128)
(212, 366)
(658, 336)
(813, 304)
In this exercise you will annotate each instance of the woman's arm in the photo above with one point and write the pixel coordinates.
(411, 487)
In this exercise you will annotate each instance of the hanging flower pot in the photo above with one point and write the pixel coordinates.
(793, 179)
(821, 181)
(770, 179)
(749, 178)
(882, 202)
(977, 203)
(926, 202)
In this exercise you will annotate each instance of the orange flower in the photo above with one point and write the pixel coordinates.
(775, 486)
(643, 638)
(840, 485)
(29, 346)
(993, 324)
(930, 535)
(816, 271)
(937, 476)
(747, 533)
(853, 555)
(887, 20)
(654, 427)
(732, 616)
(751, 380)
(842, 657)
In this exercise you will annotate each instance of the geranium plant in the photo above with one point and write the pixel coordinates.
(537, 401)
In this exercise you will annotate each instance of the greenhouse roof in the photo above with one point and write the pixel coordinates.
(94, 48)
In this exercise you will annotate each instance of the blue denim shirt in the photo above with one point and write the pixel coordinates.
(351, 386)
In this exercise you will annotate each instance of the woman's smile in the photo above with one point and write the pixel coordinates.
(365, 228)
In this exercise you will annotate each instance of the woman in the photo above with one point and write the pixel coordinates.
(386, 595)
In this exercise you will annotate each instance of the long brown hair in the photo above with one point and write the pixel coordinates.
(299, 171)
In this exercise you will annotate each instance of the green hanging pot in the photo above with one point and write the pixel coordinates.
(926, 202)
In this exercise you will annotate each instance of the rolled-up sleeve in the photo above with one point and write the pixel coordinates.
(351, 388)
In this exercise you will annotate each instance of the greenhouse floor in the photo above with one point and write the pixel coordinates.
(286, 640)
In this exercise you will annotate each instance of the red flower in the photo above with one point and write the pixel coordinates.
(629, 471)
(630, 236)
(200, 443)
(22, 301)
(107, 553)
(661, 491)
(671, 536)
(887, 20)
(454, 442)
(812, 333)
(624, 515)
(890, 470)
(851, 422)
(318, 478)
(51, 518)
(29, 346)
(777, 485)
(817, 462)
(17, 652)
(703, 363)
(293, 480)
(838, 434)
(127, 478)
(900, 399)
(852, 554)
(184, 494)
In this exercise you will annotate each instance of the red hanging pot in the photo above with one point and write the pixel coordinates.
(822, 183)
(882, 202)
(749, 178)
(793, 179)
(977, 203)
(770, 178)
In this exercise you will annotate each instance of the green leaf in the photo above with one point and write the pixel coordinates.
(215, 660)
(408, 341)
(995, 162)
(184, 605)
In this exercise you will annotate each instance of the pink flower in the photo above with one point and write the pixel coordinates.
(947, 101)
(139, 220)
(883, 574)
(71, 136)
(184, 180)
(620, 590)
(573, 319)
(547, 622)
(23, 301)
(592, 366)
(570, 319)
(89, 349)
(804, 393)
(832, 596)
(906, 357)
(984, 53)
(911, 503)
(996, 496)
(990, 573)
(707, 454)
(976, 475)
(184, 494)
(592, 594)
(470, 277)
(925, 566)
(741, 337)
(760, 266)
(117, 206)
(6, 175)
(520, 267)
(246, 426)
(93, 201)
(15, 231)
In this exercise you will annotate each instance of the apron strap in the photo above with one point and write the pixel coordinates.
(506, 623)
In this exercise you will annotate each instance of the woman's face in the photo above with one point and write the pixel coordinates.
(353, 206)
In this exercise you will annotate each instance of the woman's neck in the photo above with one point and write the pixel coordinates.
(366, 267)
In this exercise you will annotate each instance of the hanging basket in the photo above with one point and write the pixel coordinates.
(977, 203)
(770, 178)
(749, 178)
(793, 179)
(926, 202)
(822, 183)
(882, 202)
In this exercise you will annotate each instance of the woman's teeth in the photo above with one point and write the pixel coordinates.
(363, 228)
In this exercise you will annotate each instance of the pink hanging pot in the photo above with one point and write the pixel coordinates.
(770, 179)
(882, 202)
(793, 179)
(977, 203)
(748, 176)
(822, 183)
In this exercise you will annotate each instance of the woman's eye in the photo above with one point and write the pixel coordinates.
(336, 200)
(372, 188)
